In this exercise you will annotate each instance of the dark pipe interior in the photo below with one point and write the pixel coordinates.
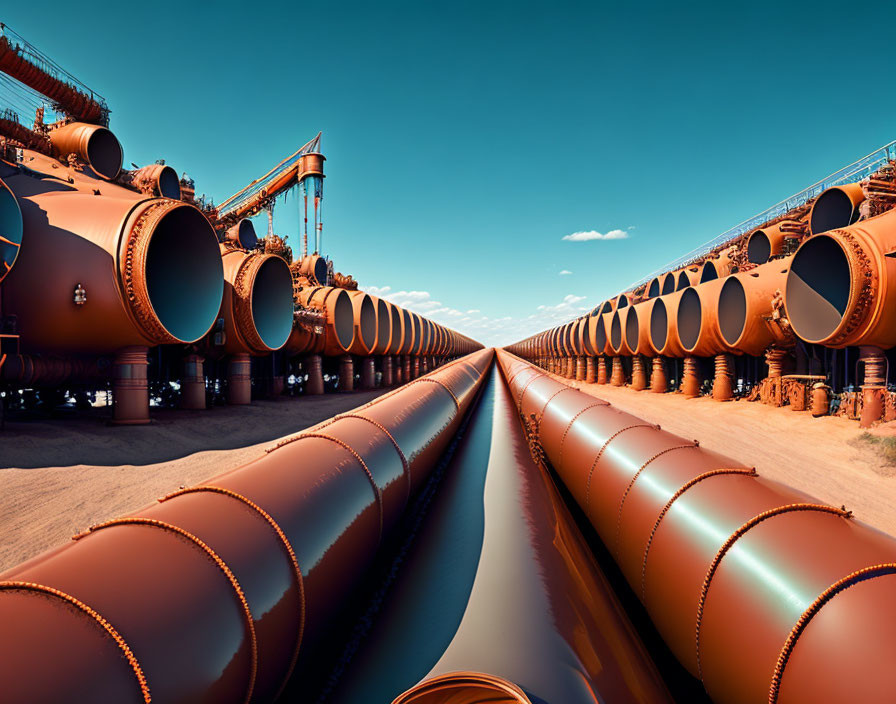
(272, 306)
(607, 307)
(833, 209)
(669, 283)
(344, 322)
(659, 324)
(623, 302)
(408, 332)
(11, 227)
(689, 318)
(184, 273)
(654, 289)
(383, 324)
(169, 183)
(600, 336)
(708, 272)
(418, 337)
(616, 332)
(104, 153)
(631, 329)
(817, 288)
(683, 281)
(586, 337)
(759, 248)
(320, 270)
(732, 310)
(246, 233)
(368, 322)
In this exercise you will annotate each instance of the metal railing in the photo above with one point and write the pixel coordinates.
(856, 171)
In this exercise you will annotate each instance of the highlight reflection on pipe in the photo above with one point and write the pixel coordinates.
(499, 598)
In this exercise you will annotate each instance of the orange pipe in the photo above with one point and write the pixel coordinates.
(157, 180)
(841, 287)
(689, 276)
(768, 242)
(313, 267)
(746, 312)
(242, 235)
(637, 328)
(364, 311)
(836, 207)
(95, 145)
(697, 320)
(336, 305)
(664, 326)
(617, 338)
(12, 227)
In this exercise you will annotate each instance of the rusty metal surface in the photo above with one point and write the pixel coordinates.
(95, 145)
(521, 610)
(751, 583)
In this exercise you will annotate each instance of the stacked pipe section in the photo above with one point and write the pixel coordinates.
(105, 270)
(212, 593)
(760, 591)
(498, 597)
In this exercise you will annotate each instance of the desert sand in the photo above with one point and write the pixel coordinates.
(60, 476)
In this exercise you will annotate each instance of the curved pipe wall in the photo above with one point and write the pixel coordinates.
(697, 320)
(339, 329)
(11, 230)
(242, 234)
(151, 267)
(211, 594)
(258, 304)
(763, 593)
(521, 607)
(836, 207)
(93, 144)
(841, 287)
(745, 308)
(158, 180)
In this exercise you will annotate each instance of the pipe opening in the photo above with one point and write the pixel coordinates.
(732, 310)
(632, 329)
(759, 248)
(408, 332)
(831, 210)
(623, 301)
(606, 307)
(616, 332)
(600, 336)
(708, 272)
(11, 228)
(246, 234)
(169, 183)
(690, 318)
(344, 320)
(659, 324)
(104, 153)
(669, 284)
(683, 281)
(654, 289)
(418, 338)
(817, 288)
(272, 306)
(383, 324)
(368, 322)
(320, 270)
(184, 274)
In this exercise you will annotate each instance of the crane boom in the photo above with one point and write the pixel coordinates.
(23, 62)
(251, 200)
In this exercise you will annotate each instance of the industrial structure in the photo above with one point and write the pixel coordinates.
(482, 530)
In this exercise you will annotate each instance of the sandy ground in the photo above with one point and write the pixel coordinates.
(60, 476)
(819, 456)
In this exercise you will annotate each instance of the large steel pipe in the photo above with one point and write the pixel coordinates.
(836, 207)
(339, 316)
(663, 328)
(112, 270)
(747, 316)
(761, 591)
(258, 306)
(841, 287)
(211, 594)
(697, 319)
(314, 267)
(156, 180)
(521, 613)
(768, 242)
(93, 144)
(242, 235)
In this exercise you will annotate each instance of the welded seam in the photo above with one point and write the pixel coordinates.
(519, 401)
(668, 506)
(439, 383)
(405, 468)
(599, 404)
(551, 398)
(300, 580)
(840, 585)
(601, 452)
(733, 538)
(238, 590)
(631, 483)
(353, 453)
(104, 624)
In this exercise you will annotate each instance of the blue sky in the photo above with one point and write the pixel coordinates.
(466, 139)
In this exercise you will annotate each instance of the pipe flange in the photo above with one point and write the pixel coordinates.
(868, 287)
(242, 301)
(135, 256)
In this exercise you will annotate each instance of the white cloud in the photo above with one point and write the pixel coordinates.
(565, 272)
(595, 235)
(489, 331)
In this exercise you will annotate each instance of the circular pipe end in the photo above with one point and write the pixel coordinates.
(732, 310)
(759, 248)
(689, 318)
(659, 325)
(11, 230)
(818, 288)
(272, 303)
